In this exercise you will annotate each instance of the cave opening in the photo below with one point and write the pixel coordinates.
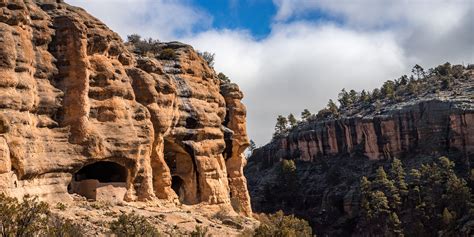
(103, 171)
(103, 180)
(182, 172)
(177, 186)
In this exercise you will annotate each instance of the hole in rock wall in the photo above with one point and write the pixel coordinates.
(182, 171)
(177, 186)
(103, 180)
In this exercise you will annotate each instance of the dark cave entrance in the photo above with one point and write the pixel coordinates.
(182, 171)
(103, 171)
(101, 180)
(177, 186)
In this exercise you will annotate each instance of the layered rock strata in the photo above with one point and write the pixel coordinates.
(73, 95)
(423, 127)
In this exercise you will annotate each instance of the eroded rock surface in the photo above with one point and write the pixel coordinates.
(426, 126)
(72, 94)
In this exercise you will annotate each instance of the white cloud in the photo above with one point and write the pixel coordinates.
(160, 19)
(302, 64)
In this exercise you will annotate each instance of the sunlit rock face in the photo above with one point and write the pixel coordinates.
(422, 127)
(72, 94)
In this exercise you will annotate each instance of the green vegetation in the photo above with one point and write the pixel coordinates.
(167, 54)
(279, 225)
(144, 47)
(433, 201)
(208, 57)
(221, 76)
(305, 115)
(133, 225)
(32, 218)
(200, 231)
(281, 126)
(420, 83)
(286, 188)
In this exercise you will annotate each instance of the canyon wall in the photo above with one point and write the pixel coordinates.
(423, 127)
(72, 94)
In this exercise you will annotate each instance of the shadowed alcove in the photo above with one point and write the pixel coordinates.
(103, 180)
(183, 172)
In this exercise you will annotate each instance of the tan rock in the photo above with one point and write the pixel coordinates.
(76, 104)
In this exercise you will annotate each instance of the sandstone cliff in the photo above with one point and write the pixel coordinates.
(76, 104)
(425, 126)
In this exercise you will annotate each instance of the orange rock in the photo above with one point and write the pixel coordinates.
(72, 94)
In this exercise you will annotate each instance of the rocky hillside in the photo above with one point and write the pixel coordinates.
(82, 114)
(413, 120)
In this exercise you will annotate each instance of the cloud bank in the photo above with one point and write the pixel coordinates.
(304, 62)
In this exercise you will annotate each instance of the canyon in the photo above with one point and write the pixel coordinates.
(332, 152)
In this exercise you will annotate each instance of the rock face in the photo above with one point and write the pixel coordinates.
(331, 153)
(72, 96)
(427, 126)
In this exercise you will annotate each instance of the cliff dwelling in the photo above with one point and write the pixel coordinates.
(103, 180)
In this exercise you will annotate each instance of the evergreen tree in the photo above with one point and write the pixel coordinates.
(376, 94)
(332, 107)
(292, 120)
(305, 115)
(281, 125)
(388, 89)
(387, 186)
(344, 98)
(418, 71)
(398, 175)
(288, 181)
(403, 80)
(364, 97)
(353, 96)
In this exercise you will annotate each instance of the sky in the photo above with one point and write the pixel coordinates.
(291, 55)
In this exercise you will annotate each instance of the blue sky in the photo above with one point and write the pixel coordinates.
(290, 55)
(252, 15)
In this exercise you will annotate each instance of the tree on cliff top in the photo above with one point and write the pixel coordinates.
(281, 125)
(292, 120)
(305, 115)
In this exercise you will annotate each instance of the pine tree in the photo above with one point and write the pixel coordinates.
(364, 97)
(332, 107)
(305, 115)
(388, 89)
(447, 217)
(344, 98)
(353, 96)
(292, 120)
(281, 125)
(387, 186)
(418, 71)
(398, 175)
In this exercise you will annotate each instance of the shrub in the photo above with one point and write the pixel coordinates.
(63, 228)
(223, 77)
(61, 206)
(28, 218)
(208, 57)
(200, 231)
(279, 225)
(128, 225)
(144, 47)
(31, 217)
(167, 54)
